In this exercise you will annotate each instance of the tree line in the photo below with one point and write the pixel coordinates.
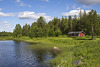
(61, 26)
(3, 33)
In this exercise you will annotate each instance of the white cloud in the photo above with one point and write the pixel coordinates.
(70, 7)
(74, 12)
(45, 0)
(85, 6)
(22, 3)
(78, 8)
(6, 14)
(88, 2)
(33, 15)
(6, 26)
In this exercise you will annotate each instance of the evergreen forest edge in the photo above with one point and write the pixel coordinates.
(59, 26)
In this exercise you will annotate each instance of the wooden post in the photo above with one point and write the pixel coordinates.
(92, 33)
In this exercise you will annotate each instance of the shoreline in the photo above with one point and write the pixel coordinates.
(71, 49)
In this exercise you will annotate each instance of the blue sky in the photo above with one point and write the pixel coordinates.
(14, 12)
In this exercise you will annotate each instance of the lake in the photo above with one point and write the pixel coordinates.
(18, 54)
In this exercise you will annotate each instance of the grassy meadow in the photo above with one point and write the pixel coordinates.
(72, 49)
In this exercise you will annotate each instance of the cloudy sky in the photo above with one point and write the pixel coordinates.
(14, 12)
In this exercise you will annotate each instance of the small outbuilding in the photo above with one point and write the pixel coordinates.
(77, 33)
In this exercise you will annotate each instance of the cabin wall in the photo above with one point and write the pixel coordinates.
(81, 34)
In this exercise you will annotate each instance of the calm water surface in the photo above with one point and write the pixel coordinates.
(17, 54)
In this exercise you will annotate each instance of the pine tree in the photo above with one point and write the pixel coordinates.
(17, 31)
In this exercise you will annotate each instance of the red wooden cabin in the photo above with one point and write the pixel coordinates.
(77, 33)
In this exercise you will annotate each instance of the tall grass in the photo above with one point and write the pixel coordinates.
(89, 53)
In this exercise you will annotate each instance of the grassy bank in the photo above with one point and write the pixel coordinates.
(6, 38)
(84, 49)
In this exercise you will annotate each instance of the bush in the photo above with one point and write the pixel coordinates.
(87, 36)
(20, 35)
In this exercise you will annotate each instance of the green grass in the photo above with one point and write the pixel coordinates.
(89, 53)
(71, 49)
(6, 37)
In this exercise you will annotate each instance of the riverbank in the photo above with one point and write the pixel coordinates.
(6, 37)
(87, 51)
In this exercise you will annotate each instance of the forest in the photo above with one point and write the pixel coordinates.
(61, 26)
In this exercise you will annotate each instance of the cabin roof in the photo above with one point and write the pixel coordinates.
(76, 32)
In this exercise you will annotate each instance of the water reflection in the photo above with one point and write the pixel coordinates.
(17, 54)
